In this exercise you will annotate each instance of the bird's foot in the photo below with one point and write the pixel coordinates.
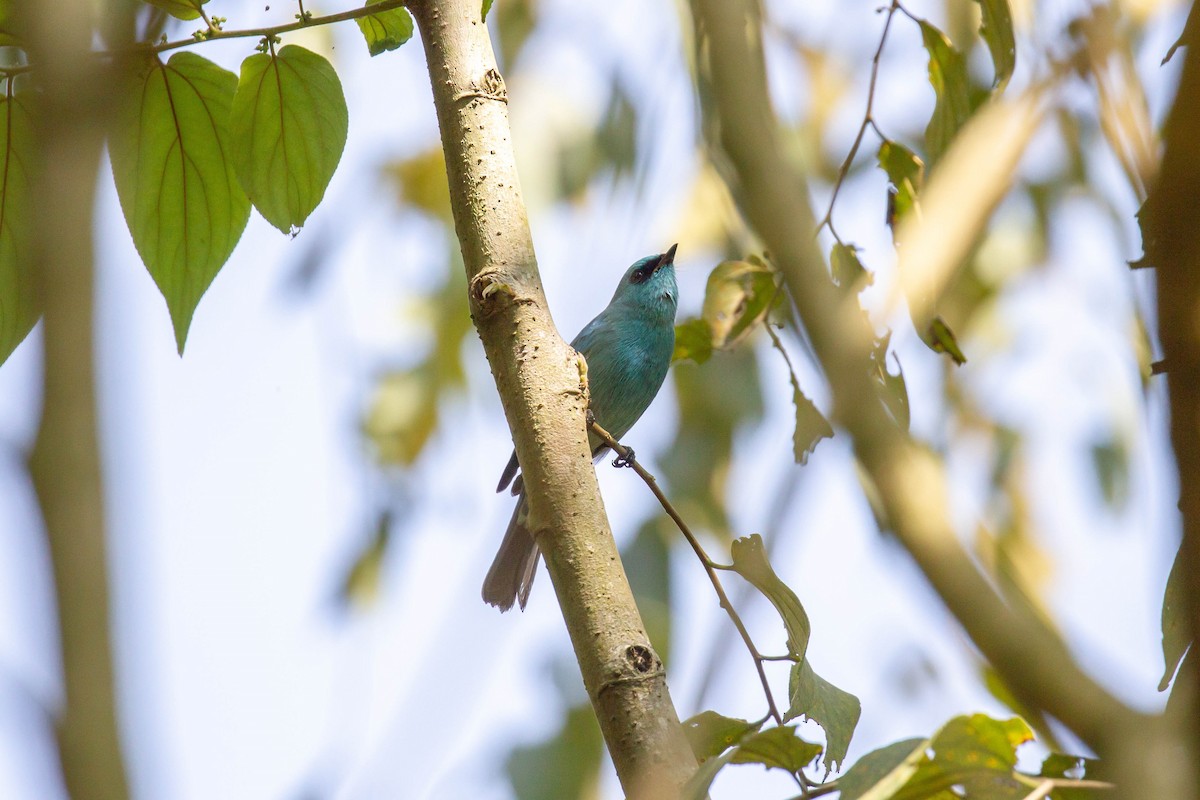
(625, 460)
(589, 418)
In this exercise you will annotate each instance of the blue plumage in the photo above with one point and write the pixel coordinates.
(628, 350)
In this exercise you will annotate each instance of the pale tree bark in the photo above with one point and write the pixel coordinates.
(65, 463)
(910, 480)
(542, 386)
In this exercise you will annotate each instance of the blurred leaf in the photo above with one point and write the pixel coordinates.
(1175, 638)
(19, 309)
(484, 9)
(848, 271)
(1110, 460)
(697, 786)
(9, 35)
(612, 146)
(564, 765)
(180, 9)
(361, 584)
(736, 297)
(171, 156)
(778, 748)
(648, 567)
(289, 124)
(1058, 765)
(958, 200)
(711, 734)
(951, 86)
(693, 340)
(405, 409)
(750, 561)
(977, 753)
(996, 29)
(515, 21)
(714, 402)
(941, 339)
(386, 30)
(906, 173)
(893, 391)
(811, 425)
(998, 688)
(835, 710)
(420, 181)
(881, 772)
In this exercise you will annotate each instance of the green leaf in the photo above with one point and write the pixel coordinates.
(361, 585)
(1110, 459)
(1058, 765)
(906, 173)
(1175, 637)
(736, 298)
(697, 786)
(693, 339)
(385, 30)
(483, 11)
(951, 87)
(180, 9)
(289, 127)
(881, 772)
(975, 752)
(750, 561)
(848, 271)
(835, 710)
(940, 339)
(18, 302)
(811, 425)
(776, 748)
(996, 29)
(563, 765)
(892, 388)
(171, 161)
(9, 36)
(711, 734)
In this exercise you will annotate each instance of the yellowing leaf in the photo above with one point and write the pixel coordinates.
(736, 297)
(710, 733)
(289, 125)
(180, 9)
(171, 153)
(18, 305)
(385, 30)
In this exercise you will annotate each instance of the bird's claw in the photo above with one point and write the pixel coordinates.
(589, 417)
(625, 460)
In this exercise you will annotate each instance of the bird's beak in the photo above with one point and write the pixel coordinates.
(666, 258)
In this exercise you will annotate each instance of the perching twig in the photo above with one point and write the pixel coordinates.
(710, 566)
(214, 32)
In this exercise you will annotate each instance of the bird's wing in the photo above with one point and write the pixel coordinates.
(587, 337)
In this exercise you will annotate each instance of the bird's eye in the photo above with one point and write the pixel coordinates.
(638, 276)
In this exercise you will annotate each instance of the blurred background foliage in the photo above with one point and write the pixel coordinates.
(1089, 167)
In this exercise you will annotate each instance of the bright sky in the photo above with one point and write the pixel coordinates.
(238, 487)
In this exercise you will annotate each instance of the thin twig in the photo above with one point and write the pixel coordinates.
(868, 122)
(710, 566)
(1043, 787)
(213, 33)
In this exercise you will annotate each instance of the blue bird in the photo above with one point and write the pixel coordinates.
(628, 349)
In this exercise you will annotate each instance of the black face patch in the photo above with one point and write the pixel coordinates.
(640, 274)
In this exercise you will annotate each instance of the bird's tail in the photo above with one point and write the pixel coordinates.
(511, 575)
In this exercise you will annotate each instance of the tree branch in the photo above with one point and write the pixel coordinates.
(542, 386)
(1172, 244)
(65, 462)
(909, 479)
